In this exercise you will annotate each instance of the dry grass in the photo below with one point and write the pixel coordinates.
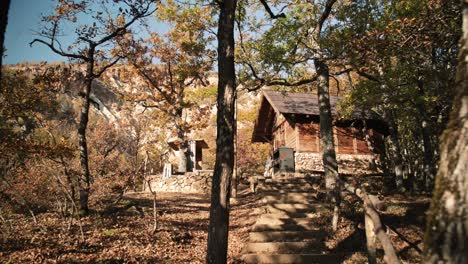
(123, 235)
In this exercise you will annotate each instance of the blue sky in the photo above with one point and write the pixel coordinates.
(23, 20)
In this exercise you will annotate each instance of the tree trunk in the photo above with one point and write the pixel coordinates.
(395, 149)
(69, 180)
(145, 167)
(221, 184)
(83, 145)
(370, 239)
(429, 168)
(330, 165)
(235, 174)
(4, 6)
(446, 238)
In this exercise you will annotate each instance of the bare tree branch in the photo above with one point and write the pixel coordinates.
(325, 15)
(281, 82)
(368, 76)
(268, 9)
(337, 73)
(152, 82)
(59, 52)
(171, 77)
(292, 84)
(104, 68)
(121, 30)
(338, 89)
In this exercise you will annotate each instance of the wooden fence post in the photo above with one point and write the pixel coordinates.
(370, 239)
(372, 202)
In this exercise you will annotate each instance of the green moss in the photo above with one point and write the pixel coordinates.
(110, 232)
(82, 213)
(127, 203)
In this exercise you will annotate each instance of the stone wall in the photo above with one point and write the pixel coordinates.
(349, 164)
(190, 182)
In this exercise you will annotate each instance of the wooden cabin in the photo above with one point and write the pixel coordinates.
(290, 122)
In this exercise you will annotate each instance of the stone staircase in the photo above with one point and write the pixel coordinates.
(293, 225)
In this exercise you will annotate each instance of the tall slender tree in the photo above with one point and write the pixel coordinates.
(221, 184)
(4, 7)
(92, 48)
(330, 165)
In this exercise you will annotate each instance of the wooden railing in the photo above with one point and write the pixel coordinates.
(373, 226)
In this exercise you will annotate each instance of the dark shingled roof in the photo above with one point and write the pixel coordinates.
(306, 103)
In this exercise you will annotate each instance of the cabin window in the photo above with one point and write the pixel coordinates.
(308, 138)
(345, 140)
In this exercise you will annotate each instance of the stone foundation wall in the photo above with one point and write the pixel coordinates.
(190, 182)
(349, 164)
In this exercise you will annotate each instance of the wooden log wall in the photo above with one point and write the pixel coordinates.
(290, 135)
(348, 140)
(308, 138)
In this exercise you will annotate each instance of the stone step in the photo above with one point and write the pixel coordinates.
(282, 191)
(305, 189)
(300, 247)
(312, 225)
(290, 236)
(293, 208)
(304, 178)
(287, 220)
(284, 215)
(290, 258)
(290, 198)
(298, 175)
(291, 184)
(278, 190)
(298, 179)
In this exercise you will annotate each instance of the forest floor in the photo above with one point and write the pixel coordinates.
(123, 235)
(404, 219)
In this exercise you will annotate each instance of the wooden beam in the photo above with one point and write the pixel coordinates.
(296, 131)
(370, 205)
(354, 131)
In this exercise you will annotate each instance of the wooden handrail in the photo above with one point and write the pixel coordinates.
(374, 223)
